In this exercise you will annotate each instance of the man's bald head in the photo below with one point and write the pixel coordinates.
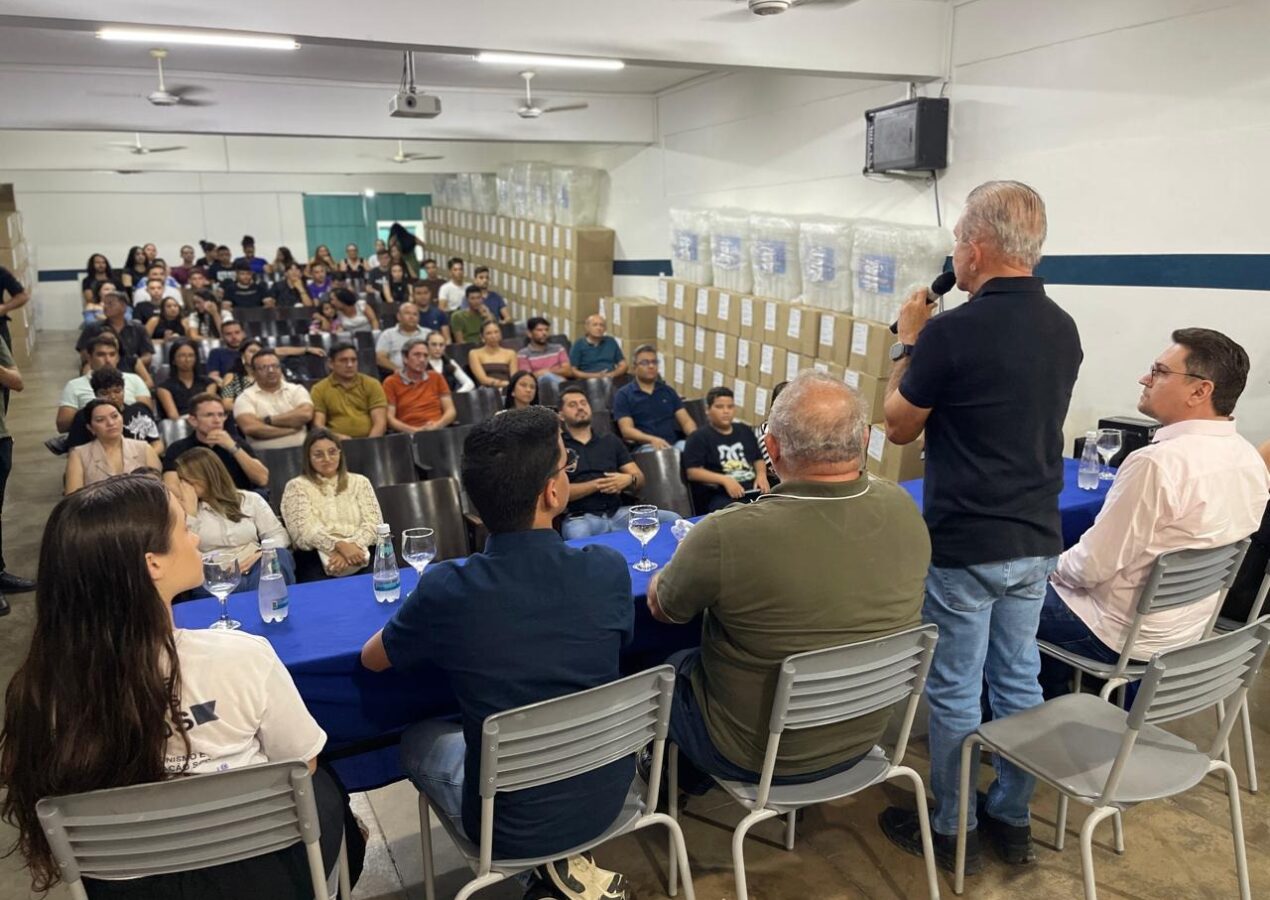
(818, 425)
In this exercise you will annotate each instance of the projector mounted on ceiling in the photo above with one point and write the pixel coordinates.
(408, 103)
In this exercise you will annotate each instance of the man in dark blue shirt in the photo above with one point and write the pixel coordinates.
(596, 355)
(648, 411)
(529, 619)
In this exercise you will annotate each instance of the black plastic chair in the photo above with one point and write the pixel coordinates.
(388, 459)
(385, 312)
(283, 464)
(663, 484)
(367, 364)
(306, 369)
(431, 504)
(513, 343)
(440, 453)
(697, 410)
(459, 353)
(561, 339)
(511, 330)
(599, 392)
(363, 340)
(602, 423)
(476, 406)
(549, 393)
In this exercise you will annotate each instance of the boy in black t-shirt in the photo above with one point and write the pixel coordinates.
(722, 462)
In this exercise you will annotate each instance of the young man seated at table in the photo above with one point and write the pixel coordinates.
(346, 401)
(722, 462)
(649, 412)
(418, 396)
(798, 570)
(1198, 484)
(527, 620)
(604, 472)
(207, 418)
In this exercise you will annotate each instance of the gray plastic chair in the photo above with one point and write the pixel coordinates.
(824, 687)
(557, 739)
(187, 823)
(1178, 578)
(1245, 718)
(1096, 753)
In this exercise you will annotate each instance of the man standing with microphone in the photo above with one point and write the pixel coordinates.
(989, 382)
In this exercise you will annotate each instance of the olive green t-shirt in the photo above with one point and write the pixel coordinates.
(809, 566)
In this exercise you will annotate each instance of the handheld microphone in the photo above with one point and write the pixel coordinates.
(943, 283)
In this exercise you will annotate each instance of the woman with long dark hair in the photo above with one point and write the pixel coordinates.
(169, 325)
(123, 718)
(522, 391)
(134, 270)
(98, 271)
(184, 381)
(239, 377)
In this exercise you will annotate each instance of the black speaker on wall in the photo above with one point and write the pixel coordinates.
(909, 136)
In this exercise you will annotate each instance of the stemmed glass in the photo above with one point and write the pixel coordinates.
(1110, 440)
(418, 548)
(220, 576)
(643, 524)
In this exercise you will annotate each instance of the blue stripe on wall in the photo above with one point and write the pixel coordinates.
(1217, 271)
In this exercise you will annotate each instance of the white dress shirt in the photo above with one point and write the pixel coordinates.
(1198, 485)
(242, 538)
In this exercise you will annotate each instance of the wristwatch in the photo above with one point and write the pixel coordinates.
(899, 350)
(269, 419)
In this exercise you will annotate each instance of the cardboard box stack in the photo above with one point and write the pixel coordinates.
(16, 256)
(555, 271)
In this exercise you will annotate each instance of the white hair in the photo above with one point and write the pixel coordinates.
(818, 420)
(1010, 215)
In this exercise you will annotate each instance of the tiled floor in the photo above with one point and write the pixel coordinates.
(1178, 849)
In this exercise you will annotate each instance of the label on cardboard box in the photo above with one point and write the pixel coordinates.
(792, 365)
(716, 379)
(568, 298)
(877, 442)
(662, 292)
(725, 306)
(738, 392)
(679, 339)
(820, 367)
(720, 346)
(555, 267)
(747, 312)
(679, 370)
(679, 296)
(703, 301)
(765, 360)
(698, 377)
(795, 328)
(826, 331)
(770, 312)
(617, 315)
(860, 338)
(699, 341)
(760, 401)
(661, 329)
(742, 353)
(852, 378)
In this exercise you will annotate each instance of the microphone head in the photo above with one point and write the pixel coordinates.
(943, 283)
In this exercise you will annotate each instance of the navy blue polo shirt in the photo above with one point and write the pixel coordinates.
(588, 357)
(222, 360)
(653, 413)
(528, 620)
(433, 317)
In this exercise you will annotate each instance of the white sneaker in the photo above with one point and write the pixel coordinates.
(579, 878)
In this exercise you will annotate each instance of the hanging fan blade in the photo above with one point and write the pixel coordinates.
(163, 149)
(185, 101)
(186, 89)
(569, 108)
(415, 157)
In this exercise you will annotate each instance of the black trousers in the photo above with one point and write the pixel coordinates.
(6, 463)
(8, 342)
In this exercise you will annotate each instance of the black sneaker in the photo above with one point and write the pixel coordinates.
(901, 826)
(1013, 843)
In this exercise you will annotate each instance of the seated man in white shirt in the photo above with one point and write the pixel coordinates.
(103, 352)
(272, 412)
(1198, 484)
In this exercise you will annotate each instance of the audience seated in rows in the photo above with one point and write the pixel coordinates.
(721, 461)
(205, 319)
(347, 402)
(595, 354)
(99, 271)
(390, 342)
(109, 452)
(796, 571)
(226, 518)
(134, 343)
(143, 292)
(440, 362)
(331, 510)
(290, 289)
(211, 432)
(521, 391)
(548, 361)
(138, 419)
(110, 614)
(649, 412)
(601, 473)
(418, 396)
(239, 377)
(527, 620)
(352, 264)
(184, 380)
(103, 352)
(273, 412)
(1197, 485)
(491, 363)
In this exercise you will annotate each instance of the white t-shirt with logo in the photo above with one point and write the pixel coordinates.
(239, 705)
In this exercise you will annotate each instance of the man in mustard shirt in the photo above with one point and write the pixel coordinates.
(346, 401)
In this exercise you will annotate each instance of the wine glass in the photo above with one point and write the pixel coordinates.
(1110, 440)
(220, 576)
(643, 524)
(418, 548)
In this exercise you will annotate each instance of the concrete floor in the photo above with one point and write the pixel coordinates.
(1177, 849)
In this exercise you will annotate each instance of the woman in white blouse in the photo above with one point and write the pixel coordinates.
(225, 518)
(329, 509)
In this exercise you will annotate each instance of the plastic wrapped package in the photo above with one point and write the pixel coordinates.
(889, 260)
(730, 250)
(441, 191)
(463, 188)
(575, 192)
(690, 245)
(503, 180)
(541, 207)
(484, 192)
(824, 249)
(520, 189)
(774, 256)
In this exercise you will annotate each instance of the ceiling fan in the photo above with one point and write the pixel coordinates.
(177, 95)
(532, 111)
(401, 156)
(136, 148)
(777, 7)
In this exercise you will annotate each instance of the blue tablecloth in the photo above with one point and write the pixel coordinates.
(363, 712)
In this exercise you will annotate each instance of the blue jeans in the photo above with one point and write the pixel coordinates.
(251, 578)
(592, 524)
(648, 448)
(432, 754)
(987, 616)
(1063, 628)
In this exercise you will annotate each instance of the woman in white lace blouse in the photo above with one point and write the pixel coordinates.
(329, 509)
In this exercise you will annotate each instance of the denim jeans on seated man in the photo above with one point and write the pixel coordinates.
(987, 616)
(591, 524)
(1064, 629)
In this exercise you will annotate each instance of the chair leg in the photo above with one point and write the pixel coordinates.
(1060, 826)
(346, 889)
(738, 852)
(1076, 680)
(789, 829)
(1237, 831)
(478, 884)
(1117, 830)
(1250, 757)
(1087, 849)
(923, 821)
(672, 800)
(425, 838)
(963, 811)
(680, 855)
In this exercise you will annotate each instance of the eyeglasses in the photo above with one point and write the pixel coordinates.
(570, 463)
(646, 363)
(1159, 371)
(268, 367)
(325, 454)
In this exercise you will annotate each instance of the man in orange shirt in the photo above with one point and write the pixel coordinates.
(418, 397)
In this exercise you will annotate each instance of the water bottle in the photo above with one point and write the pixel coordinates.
(1090, 466)
(386, 577)
(272, 592)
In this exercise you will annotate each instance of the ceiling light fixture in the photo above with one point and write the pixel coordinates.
(559, 62)
(198, 37)
(369, 193)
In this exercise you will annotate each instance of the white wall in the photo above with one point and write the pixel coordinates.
(1143, 123)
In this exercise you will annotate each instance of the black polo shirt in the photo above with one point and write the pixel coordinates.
(250, 297)
(603, 453)
(176, 448)
(997, 374)
(134, 343)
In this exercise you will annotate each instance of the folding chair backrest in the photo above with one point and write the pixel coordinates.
(387, 459)
(599, 393)
(474, 407)
(663, 483)
(696, 409)
(283, 463)
(441, 451)
(549, 393)
(557, 739)
(173, 430)
(1182, 577)
(182, 824)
